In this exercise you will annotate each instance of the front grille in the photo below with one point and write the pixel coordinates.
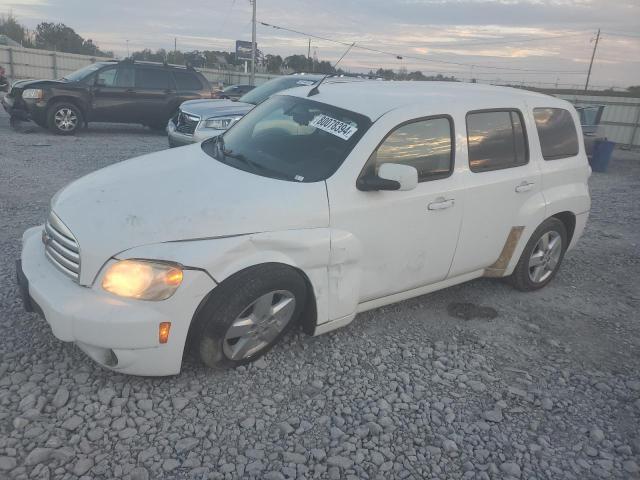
(61, 247)
(186, 123)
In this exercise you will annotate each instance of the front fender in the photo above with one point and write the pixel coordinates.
(306, 250)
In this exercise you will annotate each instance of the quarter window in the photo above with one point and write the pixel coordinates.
(152, 78)
(186, 81)
(425, 144)
(557, 132)
(496, 140)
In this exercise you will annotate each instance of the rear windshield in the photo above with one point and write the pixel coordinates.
(264, 91)
(290, 138)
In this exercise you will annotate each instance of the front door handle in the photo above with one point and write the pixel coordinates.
(524, 187)
(441, 203)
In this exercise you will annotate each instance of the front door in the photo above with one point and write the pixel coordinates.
(406, 239)
(113, 94)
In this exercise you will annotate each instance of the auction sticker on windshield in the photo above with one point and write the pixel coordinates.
(335, 127)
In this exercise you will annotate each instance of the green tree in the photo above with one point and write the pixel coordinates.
(274, 63)
(298, 63)
(10, 27)
(59, 37)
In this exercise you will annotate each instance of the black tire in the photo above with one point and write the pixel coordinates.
(231, 299)
(521, 278)
(61, 108)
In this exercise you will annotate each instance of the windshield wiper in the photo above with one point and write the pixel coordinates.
(243, 158)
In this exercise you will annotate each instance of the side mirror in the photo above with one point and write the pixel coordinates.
(391, 176)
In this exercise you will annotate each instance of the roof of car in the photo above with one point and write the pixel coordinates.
(374, 98)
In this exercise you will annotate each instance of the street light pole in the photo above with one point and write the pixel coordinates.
(253, 44)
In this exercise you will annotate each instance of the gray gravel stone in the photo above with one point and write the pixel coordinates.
(7, 463)
(393, 388)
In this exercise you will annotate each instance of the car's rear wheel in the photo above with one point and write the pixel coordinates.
(64, 118)
(541, 257)
(248, 314)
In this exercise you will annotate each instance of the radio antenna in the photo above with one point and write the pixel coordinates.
(314, 90)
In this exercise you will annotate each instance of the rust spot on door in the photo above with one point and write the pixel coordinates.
(498, 268)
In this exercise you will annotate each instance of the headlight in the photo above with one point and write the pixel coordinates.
(142, 279)
(33, 93)
(221, 123)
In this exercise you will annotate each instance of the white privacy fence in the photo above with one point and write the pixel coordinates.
(21, 63)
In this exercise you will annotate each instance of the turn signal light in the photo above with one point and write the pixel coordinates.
(163, 331)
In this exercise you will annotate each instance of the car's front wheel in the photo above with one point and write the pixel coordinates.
(64, 118)
(541, 257)
(248, 314)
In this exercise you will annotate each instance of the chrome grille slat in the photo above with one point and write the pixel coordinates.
(59, 266)
(65, 252)
(69, 244)
(186, 123)
(61, 247)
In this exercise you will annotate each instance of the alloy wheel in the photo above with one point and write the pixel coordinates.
(65, 119)
(259, 324)
(545, 256)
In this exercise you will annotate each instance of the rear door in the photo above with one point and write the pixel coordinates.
(113, 95)
(503, 199)
(154, 88)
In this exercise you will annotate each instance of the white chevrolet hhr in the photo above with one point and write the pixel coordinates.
(320, 203)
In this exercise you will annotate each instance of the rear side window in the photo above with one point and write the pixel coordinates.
(125, 76)
(496, 140)
(557, 132)
(187, 81)
(425, 144)
(152, 78)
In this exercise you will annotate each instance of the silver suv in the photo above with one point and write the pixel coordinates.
(198, 120)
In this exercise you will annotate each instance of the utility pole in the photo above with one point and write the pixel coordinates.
(253, 44)
(309, 55)
(595, 46)
(175, 49)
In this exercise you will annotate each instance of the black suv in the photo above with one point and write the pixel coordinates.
(113, 91)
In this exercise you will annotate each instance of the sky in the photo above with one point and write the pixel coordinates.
(543, 42)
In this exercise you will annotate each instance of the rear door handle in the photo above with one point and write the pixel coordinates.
(524, 186)
(441, 203)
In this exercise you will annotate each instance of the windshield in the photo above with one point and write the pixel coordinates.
(264, 91)
(290, 138)
(83, 72)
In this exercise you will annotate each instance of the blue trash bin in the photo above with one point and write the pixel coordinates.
(602, 150)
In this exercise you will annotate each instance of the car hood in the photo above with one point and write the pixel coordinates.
(215, 108)
(24, 84)
(177, 195)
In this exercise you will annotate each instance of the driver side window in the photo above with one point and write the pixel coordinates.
(106, 77)
(425, 144)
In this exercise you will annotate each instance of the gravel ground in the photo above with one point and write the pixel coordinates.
(541, 385)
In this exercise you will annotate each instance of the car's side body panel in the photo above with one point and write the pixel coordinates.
(305, 249)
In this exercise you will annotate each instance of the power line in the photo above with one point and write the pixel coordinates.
(505, 41)
(420, 58)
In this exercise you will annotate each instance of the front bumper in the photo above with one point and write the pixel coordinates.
(15, 111)
(120, 334)
(177, 139)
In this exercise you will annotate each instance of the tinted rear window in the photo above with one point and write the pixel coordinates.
(496, 140)
(557, 132)
(152, 78)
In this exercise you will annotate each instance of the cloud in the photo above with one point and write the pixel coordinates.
(459, 31)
